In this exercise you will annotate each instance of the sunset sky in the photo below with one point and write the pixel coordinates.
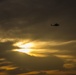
(29, 45)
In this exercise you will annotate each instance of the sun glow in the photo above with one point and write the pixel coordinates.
(24, 47)
(34, 48)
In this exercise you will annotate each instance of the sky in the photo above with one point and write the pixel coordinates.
(29, 45)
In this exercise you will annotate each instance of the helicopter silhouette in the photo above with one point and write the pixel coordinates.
(56, 24)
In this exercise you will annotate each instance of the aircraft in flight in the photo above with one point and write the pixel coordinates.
(56, 24)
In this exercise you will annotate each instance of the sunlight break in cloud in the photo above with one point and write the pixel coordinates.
(34, 48)
(42, 48)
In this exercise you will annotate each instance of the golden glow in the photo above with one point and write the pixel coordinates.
(34, 48)
(23, 50)
(9, 67)
(69, 65)
(24, 47)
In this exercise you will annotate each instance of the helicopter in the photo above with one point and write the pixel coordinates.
(56, 24)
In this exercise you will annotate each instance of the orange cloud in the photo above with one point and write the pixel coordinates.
(69, 66)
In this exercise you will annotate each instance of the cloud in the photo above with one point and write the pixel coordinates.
(31, 63)
(6, 47)
(64, 48)
(25, 62)
(34, 18)
(69, 66)
(17, 71)
(31, 19)
(35, 63)
(51, 72)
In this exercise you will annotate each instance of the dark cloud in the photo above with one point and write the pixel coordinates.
(2, 70)
(39, 73)
(34, 18)
(6, 47)
(51, 72)
(2, 0)
(17, 71)
(34, 63)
